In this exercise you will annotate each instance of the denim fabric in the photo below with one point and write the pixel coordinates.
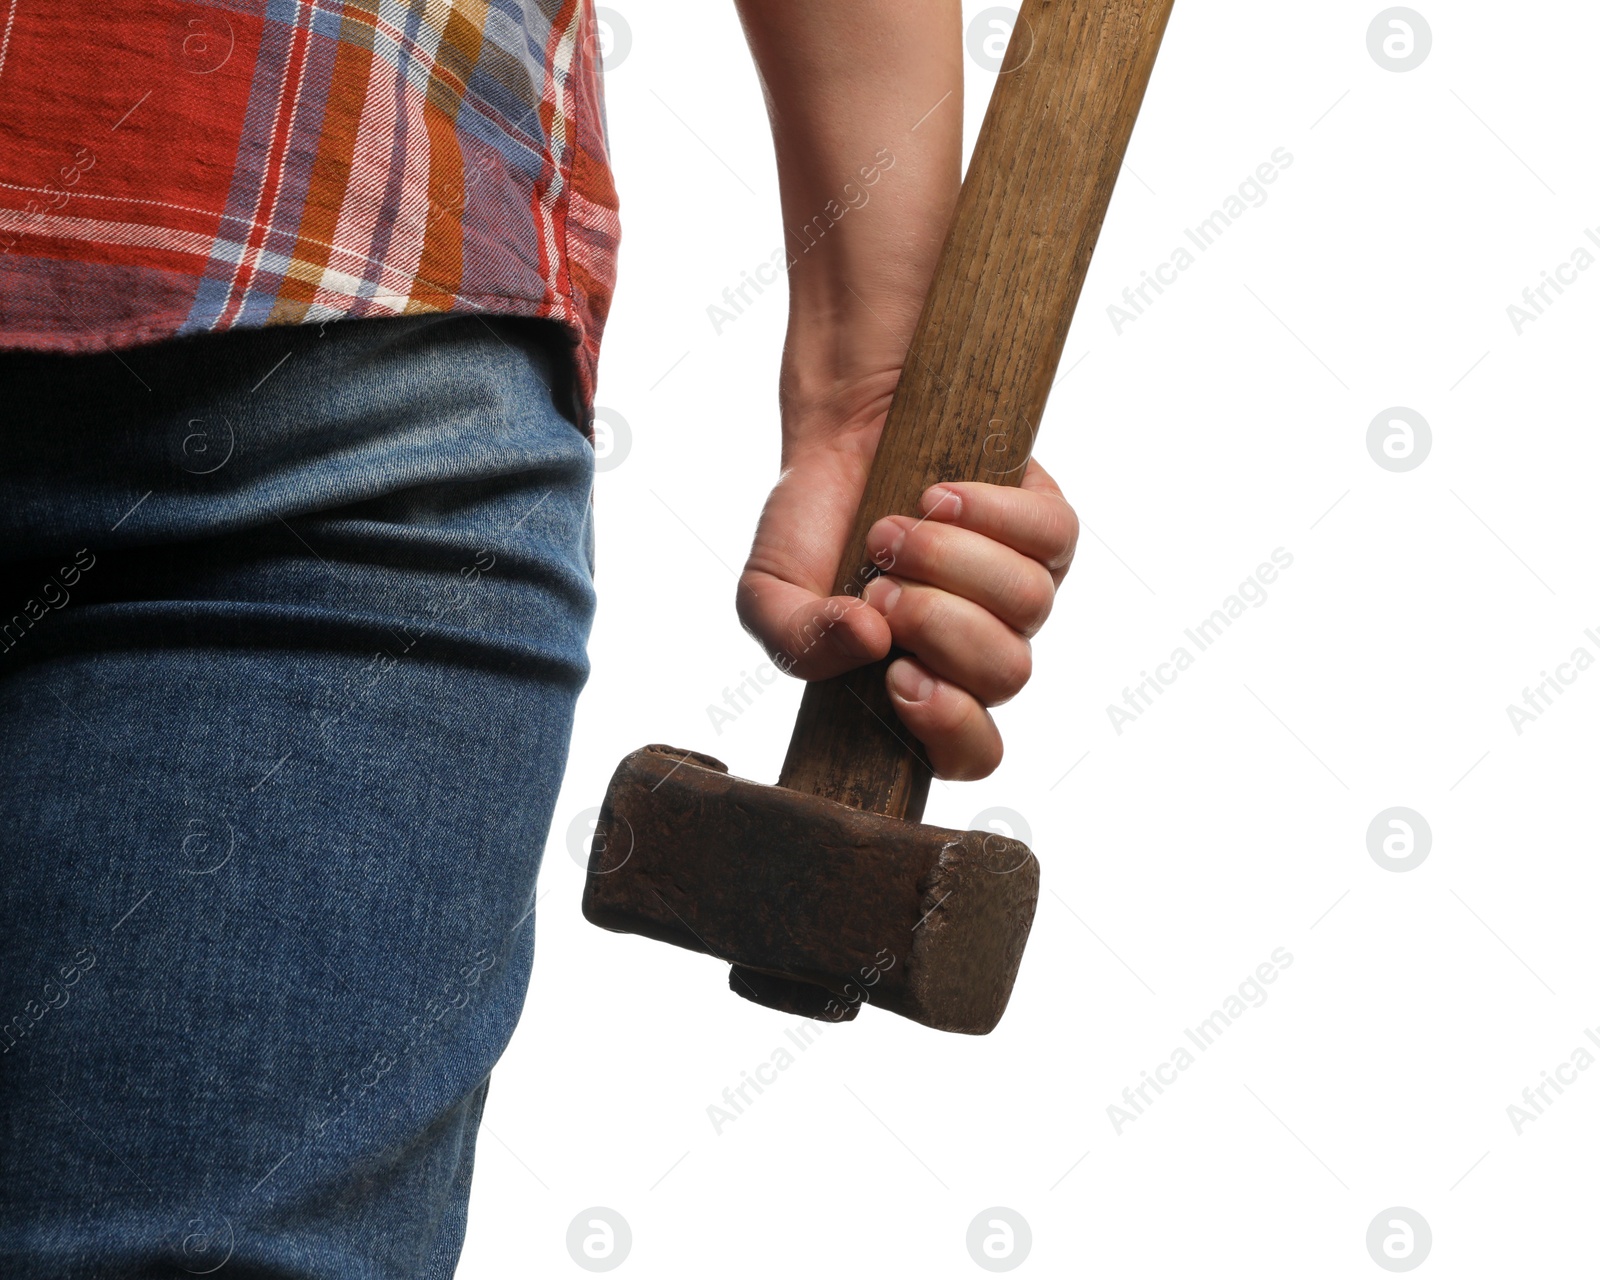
(292, 623)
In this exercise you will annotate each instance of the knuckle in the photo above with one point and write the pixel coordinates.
(915, 615)
(1070, 529)
(925, 549)
(973, 746)
(983, 757)
(744, 598)
(1035, 600)
(1069, 520)
(753, 621)
(1013, 669)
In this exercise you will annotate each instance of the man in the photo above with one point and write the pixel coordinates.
(300, 307)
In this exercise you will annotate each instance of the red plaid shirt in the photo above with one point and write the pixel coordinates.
(176, 166)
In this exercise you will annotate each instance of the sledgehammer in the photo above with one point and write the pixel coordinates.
(826, 892)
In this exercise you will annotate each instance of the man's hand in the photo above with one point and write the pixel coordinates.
(865, 102)
(964, 587)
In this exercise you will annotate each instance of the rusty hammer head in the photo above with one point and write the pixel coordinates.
(819, 907)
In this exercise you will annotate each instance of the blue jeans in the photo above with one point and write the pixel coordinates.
(292, 623)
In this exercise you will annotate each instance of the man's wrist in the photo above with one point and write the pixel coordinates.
(848, 334)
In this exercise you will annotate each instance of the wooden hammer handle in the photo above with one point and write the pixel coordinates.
(985, 350)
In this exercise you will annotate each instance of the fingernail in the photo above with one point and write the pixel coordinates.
(941, 502)
(908, 684)
(881, 593)
(884, 541)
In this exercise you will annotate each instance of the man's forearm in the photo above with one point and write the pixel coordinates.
(865, 102)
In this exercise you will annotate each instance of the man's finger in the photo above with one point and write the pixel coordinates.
(954, 638)
(1014, 587)
(1035, 519)
(959, 739)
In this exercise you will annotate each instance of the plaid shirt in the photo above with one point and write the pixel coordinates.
(176, 166)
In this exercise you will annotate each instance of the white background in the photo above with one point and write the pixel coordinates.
(1231, 818)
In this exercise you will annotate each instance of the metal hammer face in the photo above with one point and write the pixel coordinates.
(797, 889)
